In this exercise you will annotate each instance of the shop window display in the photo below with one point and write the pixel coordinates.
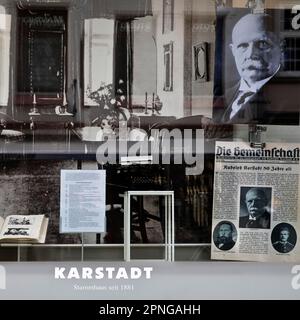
(109, 72)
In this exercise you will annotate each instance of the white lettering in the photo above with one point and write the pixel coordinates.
(102, 310)
(110, 272)
(170, 309)
(129, 310)
(135, 273)
(153, 308)
(99, 273)
(122, 274)
(172, 146)
(59, 273)
(196, 309)
(188, 309)
(73, 273)
(87, 273)
(296, 19)
(148, 271)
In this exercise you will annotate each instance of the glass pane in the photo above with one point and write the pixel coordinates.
(98, 54)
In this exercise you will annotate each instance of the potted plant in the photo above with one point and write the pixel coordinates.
(110, 106)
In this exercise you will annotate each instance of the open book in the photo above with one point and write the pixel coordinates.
(28, 229)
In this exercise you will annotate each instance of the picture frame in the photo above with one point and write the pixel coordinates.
(168, 16)
(201, 62)
(168, 66)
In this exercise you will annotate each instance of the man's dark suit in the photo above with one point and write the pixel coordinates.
(226, 246)
(262, 222)
(283, 247)
(275, 103)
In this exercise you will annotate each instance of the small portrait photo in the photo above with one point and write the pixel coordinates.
(225, 235)
(255, 207)
(283, 237)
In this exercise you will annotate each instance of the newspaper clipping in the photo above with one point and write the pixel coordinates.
(255, 210)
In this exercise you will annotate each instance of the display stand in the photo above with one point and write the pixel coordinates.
(82, 248)
(169, 221)
(18, 247)
(19, 254)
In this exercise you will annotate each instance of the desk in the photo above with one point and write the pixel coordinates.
(12, 142)
(12, 137)
(92, 137)
(51, 121)
(148, 122)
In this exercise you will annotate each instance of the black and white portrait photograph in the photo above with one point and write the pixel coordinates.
(283, 237)
(225, 235)
(253, 58)
(255, 207)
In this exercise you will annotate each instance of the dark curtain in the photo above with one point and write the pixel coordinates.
(123, 59)
(218, 88)
(125, 12)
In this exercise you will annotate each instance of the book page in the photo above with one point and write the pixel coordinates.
(82, 201)
(1, 222)
(43, 231)
(17, 227)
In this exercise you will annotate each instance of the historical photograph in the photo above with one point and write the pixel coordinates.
(284, 237)
(255, 207)
(85, 73)
(252, 55)
(225, 235)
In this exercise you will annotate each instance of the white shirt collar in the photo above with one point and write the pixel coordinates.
(244, 86)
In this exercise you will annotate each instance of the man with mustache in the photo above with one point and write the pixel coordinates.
(283, 245)
(258, 216)
(257, 53)
(224, 239)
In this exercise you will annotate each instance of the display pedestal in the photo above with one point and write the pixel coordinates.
(169, 221)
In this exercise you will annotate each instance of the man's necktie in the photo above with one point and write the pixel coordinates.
(251, 224)
(244, 96)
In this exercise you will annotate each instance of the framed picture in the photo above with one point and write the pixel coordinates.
(200, 62)
(276, 65)
(168, 67)
(168, 16)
